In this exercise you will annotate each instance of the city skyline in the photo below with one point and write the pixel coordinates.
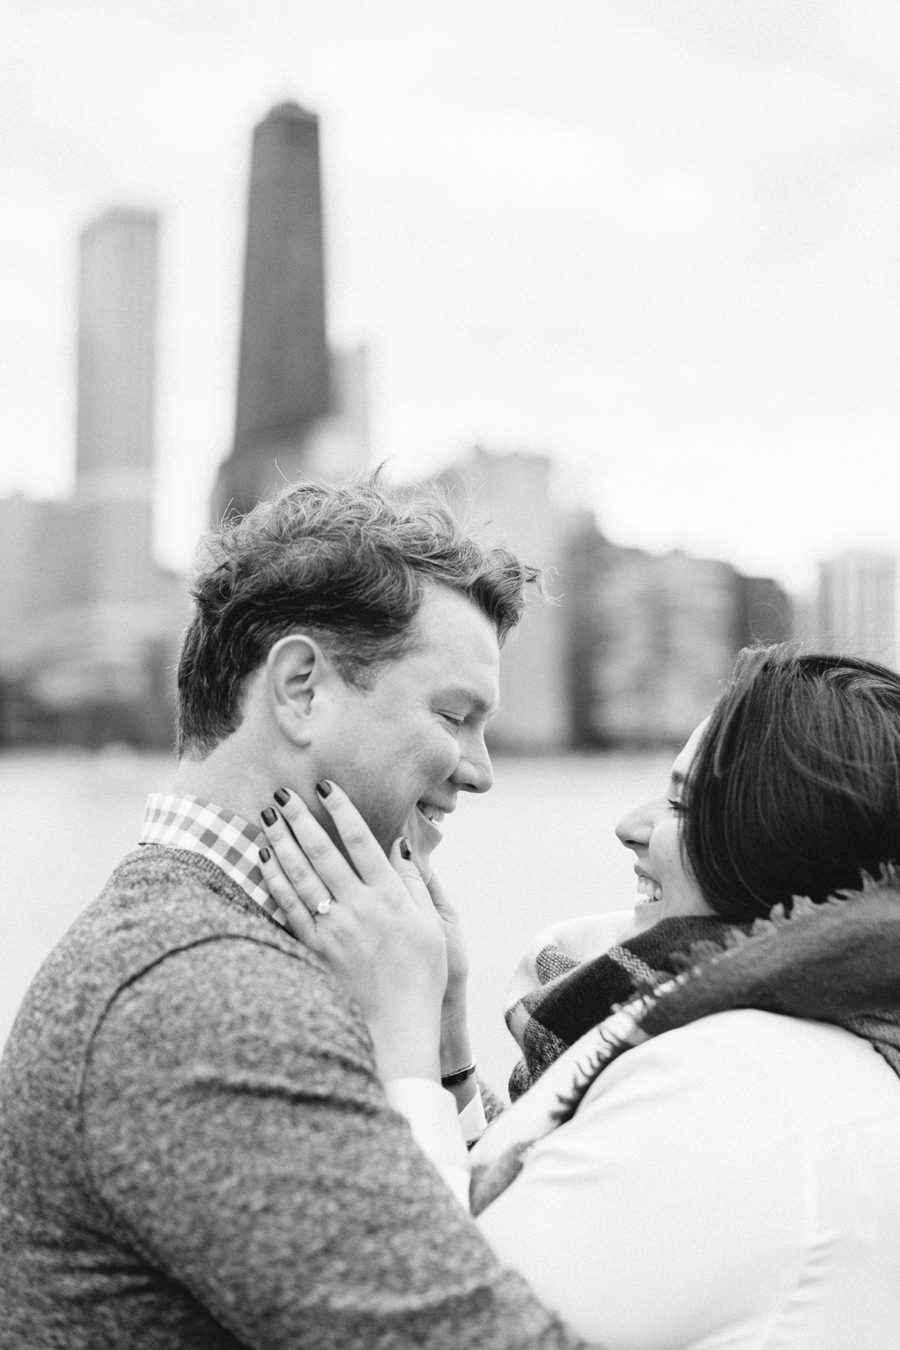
(657, 246)
(634, 655)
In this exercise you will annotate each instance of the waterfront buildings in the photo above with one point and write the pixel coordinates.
(856, 610)
(92, 622)
(300, 409)
(629, 649)
(654, 636)
(662, 637)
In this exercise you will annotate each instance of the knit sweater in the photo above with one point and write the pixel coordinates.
(196, 1151)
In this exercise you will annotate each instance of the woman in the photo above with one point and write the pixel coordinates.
(735, 1182)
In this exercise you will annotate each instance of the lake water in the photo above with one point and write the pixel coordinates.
(537, 848)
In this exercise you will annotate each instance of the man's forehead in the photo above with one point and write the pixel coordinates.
(443, 606)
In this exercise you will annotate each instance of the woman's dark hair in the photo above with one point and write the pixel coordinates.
(345, 564)
(795, 787)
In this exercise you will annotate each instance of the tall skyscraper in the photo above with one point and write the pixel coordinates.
(117, 303)
(92, 625)
(857, 605)
(508, 497)
(283, 369)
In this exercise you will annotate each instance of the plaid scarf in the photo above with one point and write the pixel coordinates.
(574, 995)
(837, 962)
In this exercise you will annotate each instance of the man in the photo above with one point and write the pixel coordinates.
(195, 1148)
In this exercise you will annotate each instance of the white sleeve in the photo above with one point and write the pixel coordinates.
(472, 1119)
(435, 1125)
(670, 1205)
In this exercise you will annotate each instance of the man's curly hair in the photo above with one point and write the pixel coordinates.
(347, 565)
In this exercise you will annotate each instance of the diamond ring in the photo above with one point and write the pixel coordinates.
(325, 906)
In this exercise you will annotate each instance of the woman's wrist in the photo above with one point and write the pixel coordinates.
(455, 1030)
(455, 1048)
(406, 1059)
(407, 1044)
(457, 1057)
(462, 1084)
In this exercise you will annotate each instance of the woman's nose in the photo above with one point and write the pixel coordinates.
(634, 829)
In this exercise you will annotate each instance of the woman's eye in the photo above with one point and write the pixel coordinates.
(453, 718)
(676, 804)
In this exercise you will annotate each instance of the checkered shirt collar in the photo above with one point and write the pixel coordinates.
(229, 841)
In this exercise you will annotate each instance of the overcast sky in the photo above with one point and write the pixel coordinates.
(658, 241)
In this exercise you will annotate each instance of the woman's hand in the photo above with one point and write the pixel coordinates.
(375, 926)
(454, 1032)
(457, 956)
(456, 1049)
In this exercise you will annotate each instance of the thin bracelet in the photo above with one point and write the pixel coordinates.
(454, 1079)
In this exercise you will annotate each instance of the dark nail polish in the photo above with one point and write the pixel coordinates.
(269, 817)
(265, 854)
(282, 796)
(323, 788)
(405, 850)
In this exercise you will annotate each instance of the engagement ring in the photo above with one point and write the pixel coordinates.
(325, 906)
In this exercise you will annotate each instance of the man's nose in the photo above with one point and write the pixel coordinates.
(634, 829)
(474, 772)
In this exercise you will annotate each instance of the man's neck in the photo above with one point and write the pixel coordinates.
(229, 778)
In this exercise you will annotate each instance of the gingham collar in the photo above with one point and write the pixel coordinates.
(229, 841)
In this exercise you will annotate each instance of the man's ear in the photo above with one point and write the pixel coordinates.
(295, 669)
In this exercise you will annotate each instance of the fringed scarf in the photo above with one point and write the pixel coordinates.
(575, 992)
(837, 962)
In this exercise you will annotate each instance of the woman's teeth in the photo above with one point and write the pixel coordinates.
(649, 889)
(433, 813)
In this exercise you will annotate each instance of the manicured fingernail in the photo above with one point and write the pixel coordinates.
(269, 817)
(323, 788)
(282, 796)
(405, 850)
(265, 854)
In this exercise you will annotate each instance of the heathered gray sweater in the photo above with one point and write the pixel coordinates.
(195, 1150)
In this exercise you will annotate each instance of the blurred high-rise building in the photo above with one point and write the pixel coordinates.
(635, 647)
(856, 611)
(93, 624)
(766, 613)
(117, 307)
(655, 636)
(290, 418)
(283, 365)
(667, 635)
(507, 498)
(38, 562)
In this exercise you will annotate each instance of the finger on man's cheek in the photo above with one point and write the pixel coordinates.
(273, 824)
(405, 861)
(284, 907)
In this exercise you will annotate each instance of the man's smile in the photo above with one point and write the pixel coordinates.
(432, 812)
